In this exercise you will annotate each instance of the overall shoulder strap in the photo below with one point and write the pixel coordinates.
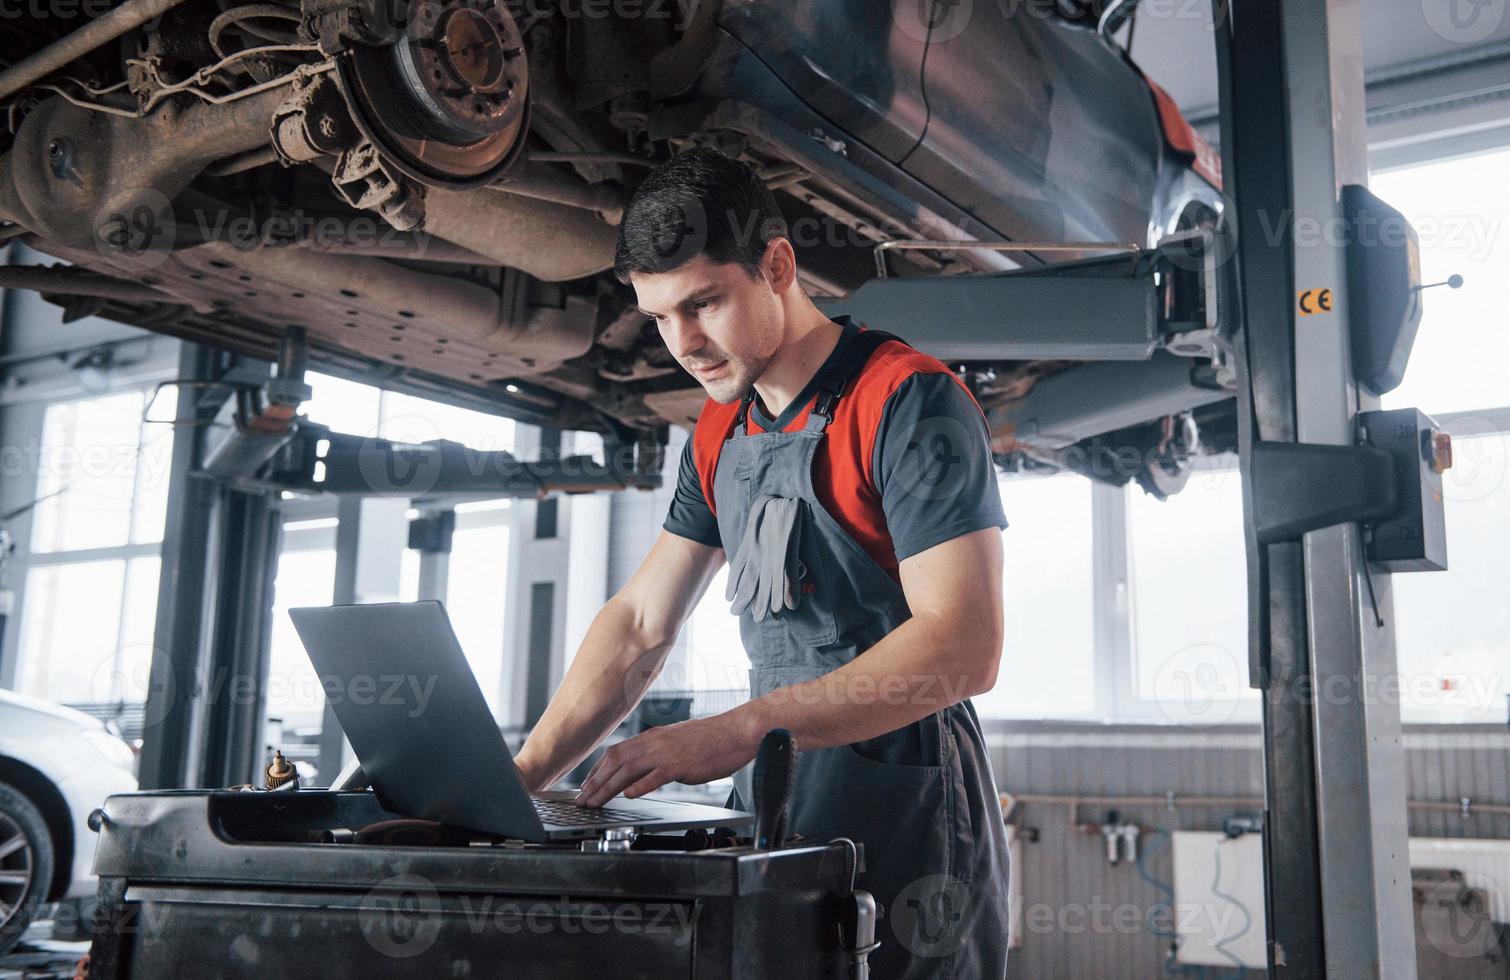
(833, 380)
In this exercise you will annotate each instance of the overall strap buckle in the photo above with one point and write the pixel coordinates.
(833, 380)
(744, 411)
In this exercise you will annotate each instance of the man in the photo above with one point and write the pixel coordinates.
(849, 483)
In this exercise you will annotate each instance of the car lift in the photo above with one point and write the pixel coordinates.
(240, 446)
(1337, 496)
(1337, 866)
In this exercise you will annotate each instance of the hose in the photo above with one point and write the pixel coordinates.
(239, 16)
(1221, 946)
(1171, 965)
(1159, 886)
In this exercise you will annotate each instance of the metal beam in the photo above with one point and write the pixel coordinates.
(183, 591)
(1360, 759)
(535, 606)
(1100, 310)
(203, 716)
(1092, 399)
(540, 651)
(236, 688)
(431, 535)
(97, 33)
(1338, 880)
(1253, 122)
(320, 461)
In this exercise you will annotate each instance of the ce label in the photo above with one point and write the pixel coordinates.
(1315, 301)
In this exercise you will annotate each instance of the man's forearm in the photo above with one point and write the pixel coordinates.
(947, 651)
(921, 667)
(609, 675)
(924, 665)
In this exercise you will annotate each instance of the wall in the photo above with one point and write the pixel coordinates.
(1083, 917)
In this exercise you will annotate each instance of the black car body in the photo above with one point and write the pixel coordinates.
(429, 189)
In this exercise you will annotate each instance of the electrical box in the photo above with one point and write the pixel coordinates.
(1414, 537)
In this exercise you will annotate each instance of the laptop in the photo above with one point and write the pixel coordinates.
(396, 677)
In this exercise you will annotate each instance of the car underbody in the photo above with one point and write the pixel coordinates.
(429, 190)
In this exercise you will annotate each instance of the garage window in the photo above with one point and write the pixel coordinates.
(1188, 614)
(1461, 211)
(295, 700)
(1120, 607)
(1452, 628)
(477, 593)
(1049, 594)
(1165, 639)
(103, 473)
(90, 596)
(715, 660)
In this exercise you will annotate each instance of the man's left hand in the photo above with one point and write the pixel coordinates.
(688, 752)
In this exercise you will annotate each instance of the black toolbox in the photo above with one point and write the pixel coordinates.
(242, 884)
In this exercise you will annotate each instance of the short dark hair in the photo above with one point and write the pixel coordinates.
(697, 203)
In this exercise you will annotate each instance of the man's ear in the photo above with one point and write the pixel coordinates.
(780, 265)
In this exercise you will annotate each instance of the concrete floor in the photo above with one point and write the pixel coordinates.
(40, 957)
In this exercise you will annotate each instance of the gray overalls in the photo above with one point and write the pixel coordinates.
(920, 799)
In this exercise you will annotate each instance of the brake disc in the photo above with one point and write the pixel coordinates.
(448, 102)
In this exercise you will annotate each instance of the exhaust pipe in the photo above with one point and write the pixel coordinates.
(550, 241)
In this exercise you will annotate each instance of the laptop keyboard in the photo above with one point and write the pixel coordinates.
(571, 814)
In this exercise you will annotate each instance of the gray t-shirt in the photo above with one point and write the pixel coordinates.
(905, 465)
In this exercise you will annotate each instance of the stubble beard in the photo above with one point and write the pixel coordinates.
(739, 383)
(742, 375)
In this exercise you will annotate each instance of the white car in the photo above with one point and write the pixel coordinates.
(56, 765)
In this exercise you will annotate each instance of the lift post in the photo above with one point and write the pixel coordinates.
(208, 673)
(1338, 897)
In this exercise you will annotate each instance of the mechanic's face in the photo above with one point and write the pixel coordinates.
(719, 323)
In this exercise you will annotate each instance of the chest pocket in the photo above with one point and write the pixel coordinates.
(812, 623)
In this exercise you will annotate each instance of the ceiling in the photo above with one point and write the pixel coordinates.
(1174, 43)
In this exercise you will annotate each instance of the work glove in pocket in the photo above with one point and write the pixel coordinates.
(764, 577)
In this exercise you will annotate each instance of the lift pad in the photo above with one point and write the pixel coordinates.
(1391, 483)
